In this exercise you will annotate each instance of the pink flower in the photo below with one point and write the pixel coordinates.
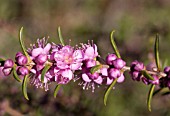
(68, 58)
(90, 51)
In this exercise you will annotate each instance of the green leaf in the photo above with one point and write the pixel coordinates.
(150, 94)
(156, 50)
(24, 87)
(57, 88)
(15, 74)
(44, 71)
(60, 36)
(147, 75)
(95, 68)
(22, 44)
(114, 44)
(108, 91)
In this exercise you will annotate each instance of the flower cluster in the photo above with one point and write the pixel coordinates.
(115, 68)
(136, 70)
(45, 63)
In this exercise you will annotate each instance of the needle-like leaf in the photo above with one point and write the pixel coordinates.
(57, 88)
(60, 36)
(22, 44)
(108, 91)
(114, 44)
(44, 72)
(156, 50)
(24, 87)
(150, 94)
(15, 74)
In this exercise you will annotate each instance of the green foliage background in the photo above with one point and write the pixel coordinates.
(136, 22)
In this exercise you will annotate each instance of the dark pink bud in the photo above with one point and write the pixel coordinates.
(7, 71)
(110, 58)
(114, 73)
(17, 55)
(136, 75)
(21, 60)
(167, 69)
(119, 63)
(22, 71)
(137, 66)
(8, 63)
(41, 59)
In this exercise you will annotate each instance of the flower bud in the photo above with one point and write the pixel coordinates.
(137, 66)
(114, 73)
(6, 71)
(167, 69)
(136, 75)
(21, 60)
(22, 71)
(121, 78)
(8, 63)
(110, 58)
(17, 55)
(119, 63)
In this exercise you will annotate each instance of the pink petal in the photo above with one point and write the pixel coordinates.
(86, 78)
(75, 66)
(89, 53)
(58, 56)
(1, 73)
(90, 63)
(109, 81)
(62, 65)
(99, 80)
(78, 55)
(104, 71)
(36, 52)
(67, 49)
(68, 74)
(121, 78)
(33, 71)
(47, 48)
(39, 67)
(95, 48)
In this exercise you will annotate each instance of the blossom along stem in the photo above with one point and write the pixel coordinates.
(44, 63)
(160, 74)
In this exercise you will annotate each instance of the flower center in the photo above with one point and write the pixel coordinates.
(68, 59)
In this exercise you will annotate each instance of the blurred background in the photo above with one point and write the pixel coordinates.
(136, 22)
